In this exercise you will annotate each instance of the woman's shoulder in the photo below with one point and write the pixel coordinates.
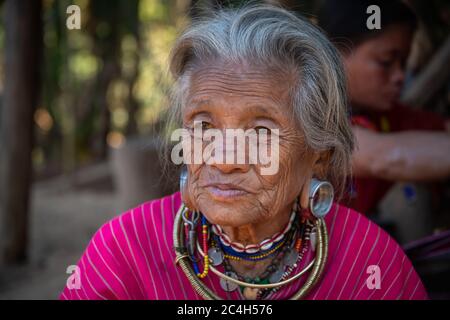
(143, 232)
(153, 216)
(352, 234)
(365, 262)
(345, 218)
(125, 252)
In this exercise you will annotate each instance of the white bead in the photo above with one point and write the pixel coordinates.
(279, 238)
(216, 229)
(226, 240)
(266, 244)
(239, 247)
(251, 249)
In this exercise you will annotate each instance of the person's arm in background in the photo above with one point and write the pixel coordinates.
(402, 156)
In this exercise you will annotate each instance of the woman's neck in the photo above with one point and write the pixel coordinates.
(254, 234)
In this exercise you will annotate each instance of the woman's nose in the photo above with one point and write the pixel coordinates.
(398, 77)
(231, 167)
(229, 153)
(229, 158)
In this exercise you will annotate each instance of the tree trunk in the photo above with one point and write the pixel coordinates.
(433, 78)
(23, 31)
(107, 48)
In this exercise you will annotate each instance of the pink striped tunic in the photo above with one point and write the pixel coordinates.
(132, 257)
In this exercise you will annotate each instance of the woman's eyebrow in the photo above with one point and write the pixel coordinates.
(269, 111)
(196, 105)
(194, 114)
(259, 109)
(198, 102)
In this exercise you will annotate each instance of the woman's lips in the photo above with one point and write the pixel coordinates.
(225, 191)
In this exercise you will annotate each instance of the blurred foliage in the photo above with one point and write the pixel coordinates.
(104, 82)
(107, 81)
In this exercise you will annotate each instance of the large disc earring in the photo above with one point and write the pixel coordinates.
(183, 180)
(321, 195)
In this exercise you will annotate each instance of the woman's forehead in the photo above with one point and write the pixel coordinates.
(232, 76)
(395, 38)
(247, 107)
(257, 87)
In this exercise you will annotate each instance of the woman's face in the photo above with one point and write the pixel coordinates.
(229, 96)
(376, 68)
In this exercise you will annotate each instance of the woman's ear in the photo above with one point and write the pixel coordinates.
(304, 194)
(184, 188)
(319, 167)
(321, 164)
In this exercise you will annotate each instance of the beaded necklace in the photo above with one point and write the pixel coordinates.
(280, 268)
(287, 247)
(203, 274)
(315, 268)
(236, 248)
(265, 293)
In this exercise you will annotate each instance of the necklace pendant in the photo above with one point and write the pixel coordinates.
(276, 276)
(290, 258)
(250, 293)
(229, 286)
(216, 256)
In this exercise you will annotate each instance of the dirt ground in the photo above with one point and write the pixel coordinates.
(62, 222)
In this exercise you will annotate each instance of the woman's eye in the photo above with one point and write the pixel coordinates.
(203, 125)
(262, 130)
(385, 63)
(206, 125)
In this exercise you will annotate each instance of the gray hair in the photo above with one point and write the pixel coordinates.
(273, 36)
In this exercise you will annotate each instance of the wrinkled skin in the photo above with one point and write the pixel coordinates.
(224, 95)
(376, 68)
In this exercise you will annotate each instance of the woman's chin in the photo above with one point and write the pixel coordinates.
(381, 107)
(226, 213)
(228, 219)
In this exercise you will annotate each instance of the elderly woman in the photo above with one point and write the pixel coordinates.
(233, 232)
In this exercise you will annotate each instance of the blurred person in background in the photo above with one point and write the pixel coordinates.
(395, 143)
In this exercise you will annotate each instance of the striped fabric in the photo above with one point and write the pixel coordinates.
(131, 257)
